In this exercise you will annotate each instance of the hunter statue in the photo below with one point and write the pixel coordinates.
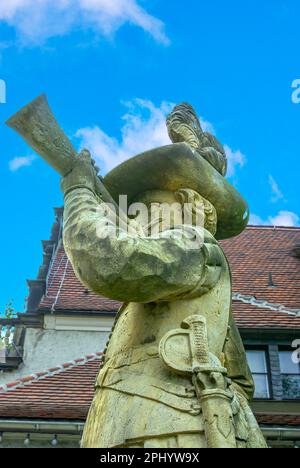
(174, 373)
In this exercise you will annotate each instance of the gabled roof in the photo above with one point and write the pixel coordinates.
(256, 256)
(63, 392)
(65, 292)
(250, 316)
(66, 392)
(259, 251)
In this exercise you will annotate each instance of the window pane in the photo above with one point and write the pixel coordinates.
(287, 365)
(291, 387)
(261, 386)
(257, 361)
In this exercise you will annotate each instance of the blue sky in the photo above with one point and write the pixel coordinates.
(113, 68)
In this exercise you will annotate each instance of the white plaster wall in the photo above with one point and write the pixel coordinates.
(49, 347)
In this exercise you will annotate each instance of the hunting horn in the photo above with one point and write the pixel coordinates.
(38, 127)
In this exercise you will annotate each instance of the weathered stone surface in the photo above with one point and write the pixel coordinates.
(175, 372)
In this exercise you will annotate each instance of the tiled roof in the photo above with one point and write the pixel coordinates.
(259, 251)
(265, 304)
(249, 316)
(65, 292)
(66, 392)
(279, 419)
(253, 255)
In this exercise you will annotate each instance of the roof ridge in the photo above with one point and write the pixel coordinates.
(263, 304)
(49, 372)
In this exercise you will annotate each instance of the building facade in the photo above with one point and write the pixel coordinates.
(52, 353)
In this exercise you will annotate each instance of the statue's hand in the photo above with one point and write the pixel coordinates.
(83, 174)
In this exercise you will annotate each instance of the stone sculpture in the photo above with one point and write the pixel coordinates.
(175, 372)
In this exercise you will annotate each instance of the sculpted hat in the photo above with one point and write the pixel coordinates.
(195, 161)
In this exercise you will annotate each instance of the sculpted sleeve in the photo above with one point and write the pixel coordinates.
(128, 268)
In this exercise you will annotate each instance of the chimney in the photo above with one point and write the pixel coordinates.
(271, 282)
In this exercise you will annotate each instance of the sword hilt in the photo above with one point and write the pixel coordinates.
(198, 340)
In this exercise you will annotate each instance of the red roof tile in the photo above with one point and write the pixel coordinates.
(259, 251)
(65, 292)
(278, 419)
(249, 316)
(254, 254)
(68, 394)
(62, 394)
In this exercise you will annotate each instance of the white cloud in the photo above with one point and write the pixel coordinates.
(283, 218)
(16, 163)
(207, 126)
(144, 129)
(37, 20)
(276, 192)
(235, 159)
